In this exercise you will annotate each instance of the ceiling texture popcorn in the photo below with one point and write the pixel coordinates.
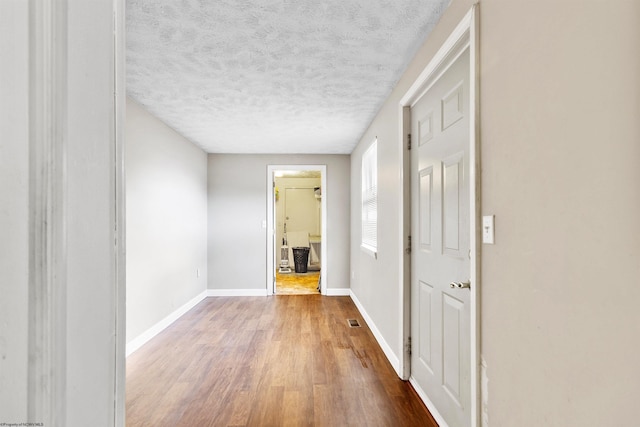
(271, 76)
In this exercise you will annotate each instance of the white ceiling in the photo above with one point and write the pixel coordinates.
(271, 76)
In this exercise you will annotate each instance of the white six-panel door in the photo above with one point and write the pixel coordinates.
(440, 259)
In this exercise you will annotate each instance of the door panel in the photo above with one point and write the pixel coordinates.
(425, 129)
(452, 167)
(452, 315)
(426, 179)
(452, 107)
(440, 315)
(426, 293)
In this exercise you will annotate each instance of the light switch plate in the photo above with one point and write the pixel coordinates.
(488, 229)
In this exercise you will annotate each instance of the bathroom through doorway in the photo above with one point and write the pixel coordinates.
(297, 220)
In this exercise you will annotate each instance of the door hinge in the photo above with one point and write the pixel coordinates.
(409, 141)
(408, 346)
(408, 249)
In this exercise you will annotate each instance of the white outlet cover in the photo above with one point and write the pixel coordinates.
(488, 229)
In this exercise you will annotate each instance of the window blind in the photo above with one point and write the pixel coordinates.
(370, 197)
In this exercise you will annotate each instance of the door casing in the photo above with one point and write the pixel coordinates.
(49, 61)
(464, 35)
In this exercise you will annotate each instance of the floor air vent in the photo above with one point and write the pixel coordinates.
(353, 323)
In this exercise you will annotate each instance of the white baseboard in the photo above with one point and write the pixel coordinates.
(429, 404)
(338, 292)
(143, 338)
(332, 292)
(386, 348)
(236, 292)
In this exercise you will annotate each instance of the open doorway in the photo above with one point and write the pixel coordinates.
(297, 224)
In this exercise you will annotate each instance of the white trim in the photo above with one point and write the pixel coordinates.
(147, 335)
(271, 226)
(386, 348)
(47, 331)
(474, 218)
(338, 292)
(120, 212)
(369, 251)
(430, 406)
(459, 33)
(237, 292)
(465, 34)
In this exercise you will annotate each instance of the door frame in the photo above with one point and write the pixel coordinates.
(271, 224)
(120, 195)
(48, 55)
(464, 35)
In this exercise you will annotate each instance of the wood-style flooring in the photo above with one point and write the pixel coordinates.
(268, 361)
(297, 283)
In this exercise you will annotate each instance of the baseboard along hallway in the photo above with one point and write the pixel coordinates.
(268, 361)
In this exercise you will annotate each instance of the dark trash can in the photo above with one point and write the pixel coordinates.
(301, 258)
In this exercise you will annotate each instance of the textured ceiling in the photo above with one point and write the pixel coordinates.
(271, 76)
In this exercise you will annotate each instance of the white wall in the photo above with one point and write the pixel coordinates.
(14, 204)
(560, 153)
(238, 204)
(166, 188)
(559, 142)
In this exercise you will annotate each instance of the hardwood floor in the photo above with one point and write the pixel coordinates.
(297, 283)
(268, 361)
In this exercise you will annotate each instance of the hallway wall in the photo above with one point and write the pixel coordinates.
(14, 208)
(237, 254)
(560, 101)
(560, 152)
(375, 281)
(166, 186)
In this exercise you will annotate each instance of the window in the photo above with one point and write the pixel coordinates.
(370, 199)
